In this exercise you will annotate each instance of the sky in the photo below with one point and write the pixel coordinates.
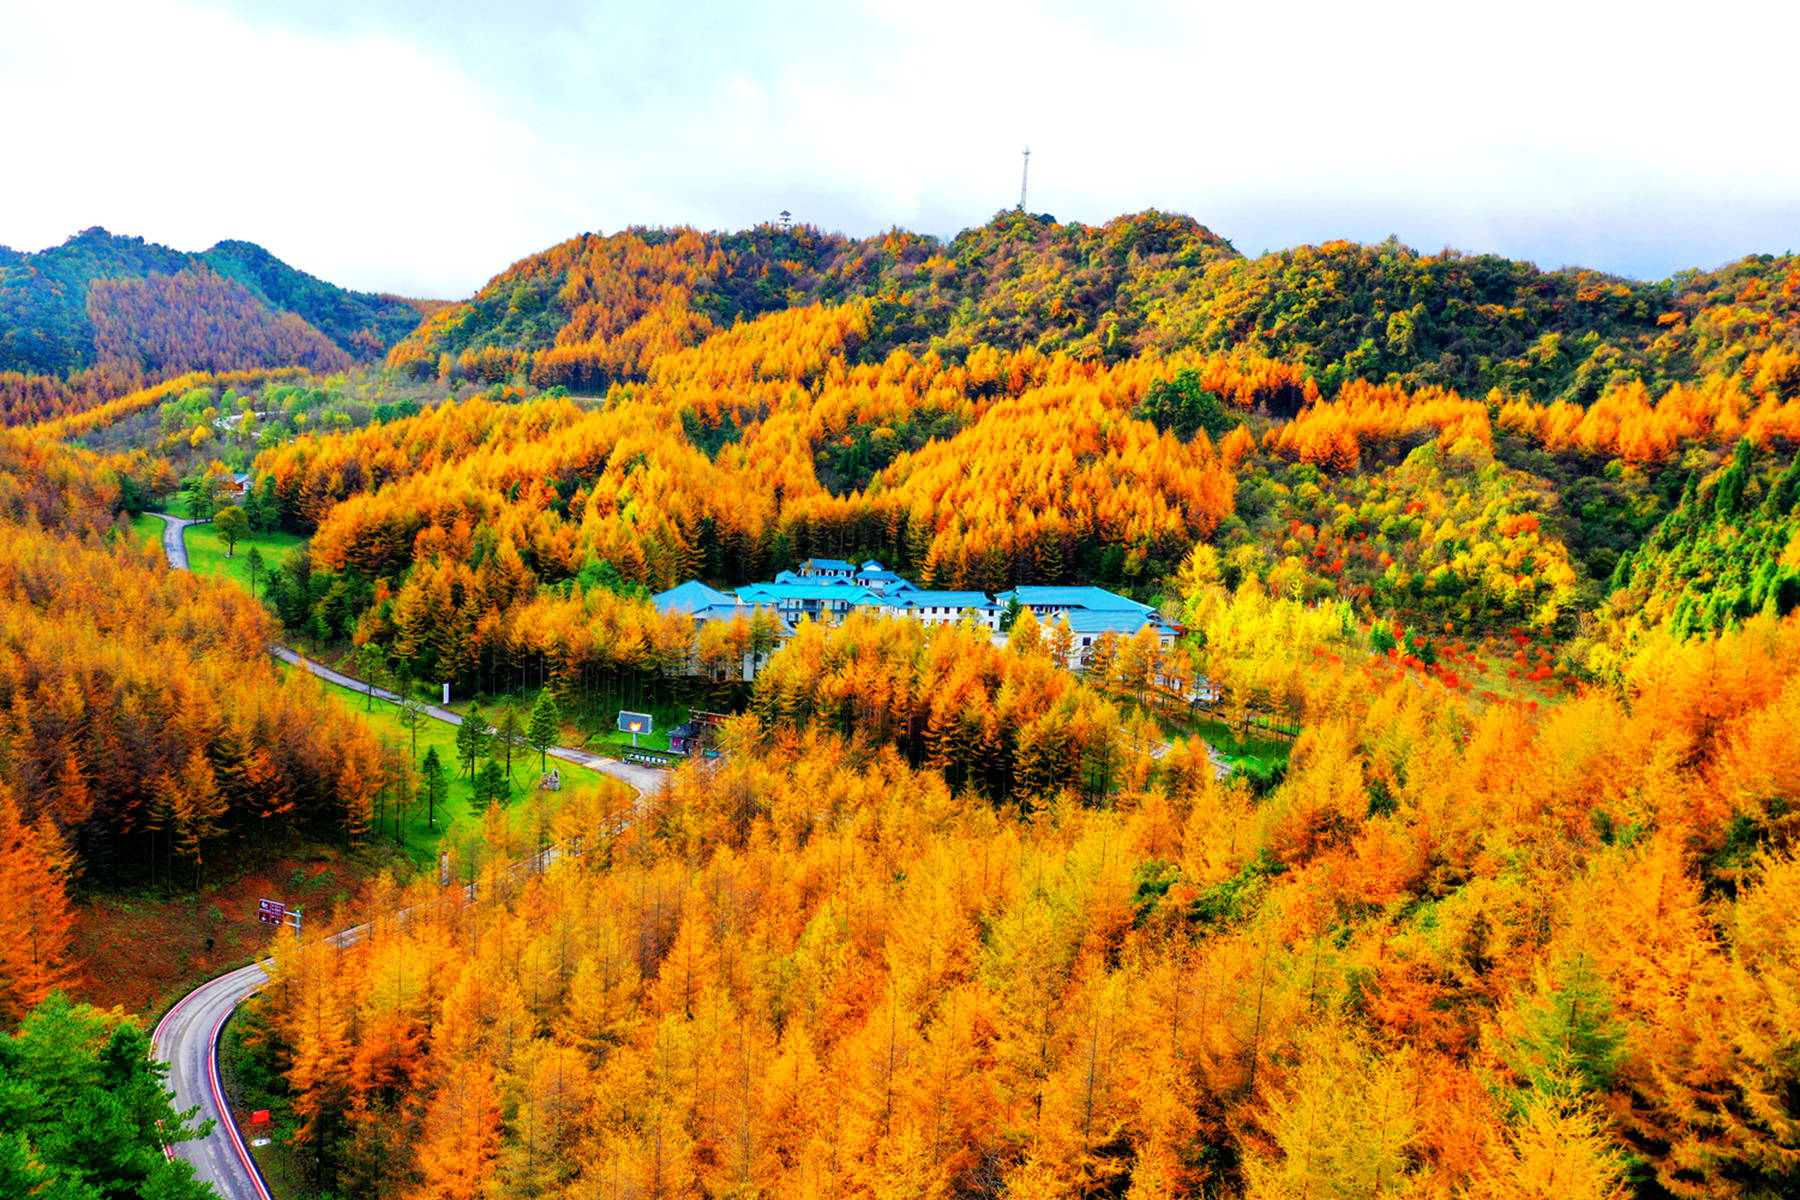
(422, 146)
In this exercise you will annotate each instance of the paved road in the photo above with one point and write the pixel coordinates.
(187, 1038)
(174, 540)
(1220, 765)
(645, 779)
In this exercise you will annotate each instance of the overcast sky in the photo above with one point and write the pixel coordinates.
(422, 146)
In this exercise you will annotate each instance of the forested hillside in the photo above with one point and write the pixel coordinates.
(1457, 953)
(143, 723)
(1435, 839)
(101, 315)
(596, 309)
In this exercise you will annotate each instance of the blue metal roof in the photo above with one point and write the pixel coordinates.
(1115, 621)
(691, 597)
(769, 592)
(828, 564)
(1091, 598)
(924, 599)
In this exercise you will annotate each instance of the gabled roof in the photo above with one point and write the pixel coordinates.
(874, 565)
(729, 611)
(1091, 598)
(924, 599)
(767, 593)
(828, 564)
(691, 597)
(1083, 620)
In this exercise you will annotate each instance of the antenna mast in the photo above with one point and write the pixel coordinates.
(1024, 176)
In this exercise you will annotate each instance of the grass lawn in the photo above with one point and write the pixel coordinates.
(613, 740)
(206, 553)
(1222, 738)
(146, 528)
(420, 837)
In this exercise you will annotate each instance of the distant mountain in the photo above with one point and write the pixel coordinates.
(104, 300)
(595, 309)
(361, 323)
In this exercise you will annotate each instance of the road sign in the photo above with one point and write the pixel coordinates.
(260, 1117)
(634, 724)
(271, 912)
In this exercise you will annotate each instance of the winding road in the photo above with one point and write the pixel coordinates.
(187, 1037)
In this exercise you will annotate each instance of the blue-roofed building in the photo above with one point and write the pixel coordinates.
(1053, 601)
(827, 569)
(882, 582)
(815, 600)
(945, 608)
(705, 604)
(692, 597)
(1091, 613)
(1087, 627)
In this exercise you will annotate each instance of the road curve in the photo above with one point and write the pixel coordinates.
(174, 539)
(187, 1037)
(645, 779)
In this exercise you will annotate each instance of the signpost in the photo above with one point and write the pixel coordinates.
(634, 724)
(275, 912)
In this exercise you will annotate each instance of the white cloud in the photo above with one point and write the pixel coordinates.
(412, 146)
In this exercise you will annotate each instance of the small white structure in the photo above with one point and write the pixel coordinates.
(826, 570)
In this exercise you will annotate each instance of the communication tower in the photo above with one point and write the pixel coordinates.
(1024, 176)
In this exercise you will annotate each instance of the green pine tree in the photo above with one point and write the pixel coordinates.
(84, 1112)
(542, 727)
(472, 740)
(492, 785)
(507, 736)
(432, 779)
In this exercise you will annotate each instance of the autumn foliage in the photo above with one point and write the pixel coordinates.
(1455, 952)
(143, 720)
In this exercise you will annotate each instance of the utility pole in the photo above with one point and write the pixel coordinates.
(1024, 175)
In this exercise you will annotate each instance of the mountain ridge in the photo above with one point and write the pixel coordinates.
(48, 327)
(595, 309)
